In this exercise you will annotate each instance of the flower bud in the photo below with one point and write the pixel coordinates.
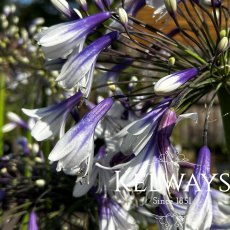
(123, 16)
(223, 33)
(172, 82)
(3, 170)
(40, 183)
(171, 6)
(111, 86)
(172, 61)
(222, 44)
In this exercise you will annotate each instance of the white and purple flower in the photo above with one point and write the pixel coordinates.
(169, 84)
(74, 151)
(60, 40)
(199, 214)
(52, 119)
(79, 68)
(113, 216)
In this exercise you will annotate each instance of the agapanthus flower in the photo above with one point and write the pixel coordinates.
(167, 218)
(168, 153)
(169, 84)
(221, 210)
(52, 119)
(199, 214)
(59, 40)
(15, 121)
(97, 179)
(136, 135)
(113, 216)
(79, 68)
(143, 172)
(74, 151)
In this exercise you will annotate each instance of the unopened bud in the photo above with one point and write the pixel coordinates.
(112, 87)
(3, 170)
(222, 44)
(170, 83)
(40, 183)
(223, 33)
(123, 16)
(15, 19)
(172, 61)
(38, 160)
(171, 6)
(133, 82)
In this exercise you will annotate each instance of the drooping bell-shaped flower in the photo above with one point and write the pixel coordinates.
(167, 85)
(201, 208)
(113, 216)
(98, 178)
(52, 119)
(168, 218)
(60, 40)
(74, 151)
(79, 68)
(168, 153)
(136, 135)
(15, 121)
(33, 221)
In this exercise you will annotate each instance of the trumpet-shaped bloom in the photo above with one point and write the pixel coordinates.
(145, 169)
(74, 151)
(79, 67)
(172, 82)
(60, 40)
(136, 135)
(113, 216)
(99, 177)
(51, 119)
(199, 214)
(168, 153)
(15, 121)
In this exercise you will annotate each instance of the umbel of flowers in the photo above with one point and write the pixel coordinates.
(136, 83)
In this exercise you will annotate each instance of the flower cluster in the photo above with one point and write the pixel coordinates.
(134, 83)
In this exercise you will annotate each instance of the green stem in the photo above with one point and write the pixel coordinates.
(2, 105)
(223, 95)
